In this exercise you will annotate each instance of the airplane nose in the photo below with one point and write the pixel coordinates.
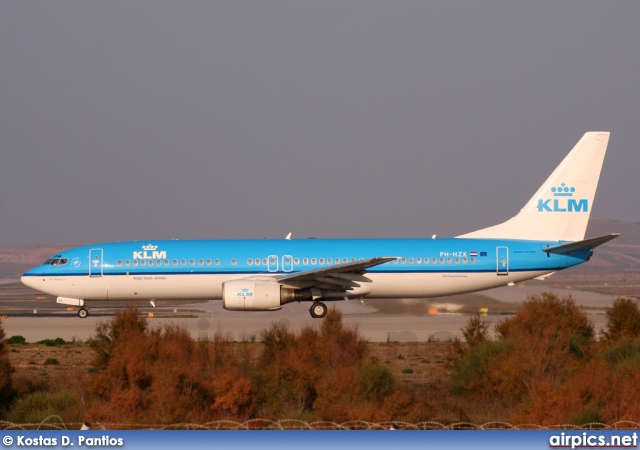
(28, 281)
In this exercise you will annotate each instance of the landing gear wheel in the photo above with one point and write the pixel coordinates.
(83, 313)
(318, 310)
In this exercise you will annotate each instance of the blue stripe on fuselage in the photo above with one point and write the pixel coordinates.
(450, 254)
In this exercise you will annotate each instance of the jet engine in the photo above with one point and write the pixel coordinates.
(255, 295)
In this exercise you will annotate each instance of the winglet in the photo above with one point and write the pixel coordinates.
(288, 238)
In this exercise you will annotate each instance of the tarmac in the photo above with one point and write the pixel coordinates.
(204, 320)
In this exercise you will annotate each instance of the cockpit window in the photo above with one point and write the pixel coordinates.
(57, 261)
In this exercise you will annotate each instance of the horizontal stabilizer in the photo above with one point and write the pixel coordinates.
(580, 246)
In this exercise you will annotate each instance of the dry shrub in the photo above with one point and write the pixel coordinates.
(37, 406)
(147, 376)
(7, 392)
(164, 376)
(623, 319)
(597, 382)
(322, 374)
(545, 344)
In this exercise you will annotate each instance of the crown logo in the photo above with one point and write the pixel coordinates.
(563, 191)
(149, 247)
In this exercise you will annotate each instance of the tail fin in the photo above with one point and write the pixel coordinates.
(560, 209)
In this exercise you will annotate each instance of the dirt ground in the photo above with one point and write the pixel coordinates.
(413, 363)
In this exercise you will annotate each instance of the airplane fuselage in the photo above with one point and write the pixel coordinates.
(189, 270)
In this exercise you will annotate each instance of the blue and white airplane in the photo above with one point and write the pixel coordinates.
(547, 235)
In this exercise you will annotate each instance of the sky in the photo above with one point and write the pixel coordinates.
(126, 120)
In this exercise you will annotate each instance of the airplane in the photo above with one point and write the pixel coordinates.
(546, 236)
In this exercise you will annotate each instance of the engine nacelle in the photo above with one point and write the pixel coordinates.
(254, 295)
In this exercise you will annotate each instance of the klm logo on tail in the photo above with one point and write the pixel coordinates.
(563, 201)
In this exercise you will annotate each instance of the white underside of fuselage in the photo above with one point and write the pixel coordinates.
(209, 286)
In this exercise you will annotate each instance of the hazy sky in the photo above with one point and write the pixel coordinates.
(227, 119)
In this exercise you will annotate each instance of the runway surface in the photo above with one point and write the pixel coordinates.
(209, 318)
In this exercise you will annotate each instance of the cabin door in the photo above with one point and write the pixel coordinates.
(502, 260)
(273, 263)
(287, 263)
(95, 262)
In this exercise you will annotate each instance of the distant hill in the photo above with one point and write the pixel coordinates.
(623, 253)
(14, 261)
(618, 256)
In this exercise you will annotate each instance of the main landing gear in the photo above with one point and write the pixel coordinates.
(83, 312)
(318, 310)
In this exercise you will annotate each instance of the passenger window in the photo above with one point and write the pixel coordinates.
(313, 261)
(345, 260)
(250, 261)
(305, 261)
(434, 260)
(395, 261)
(143, 262)
(201, 262)
(321, 260)
(404, 260)
(127, 263)
(457, 260)
(410, 260)
(166, 262)
(264, 261)
(426, 260)
(296, 261)
(217, 262)
(257, 261)
(135, 262)
(353, 260)
(473, 260)
(234, 262)
(418, 260)
(119, 262)
(449, 260)
(192, 262)
(464, 260)
(184, 262)
(208, 262)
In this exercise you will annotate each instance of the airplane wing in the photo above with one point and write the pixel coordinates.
(339, 277)
(580, 246)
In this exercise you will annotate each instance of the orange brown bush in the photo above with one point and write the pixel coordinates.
(546, 366)
(164, 376)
